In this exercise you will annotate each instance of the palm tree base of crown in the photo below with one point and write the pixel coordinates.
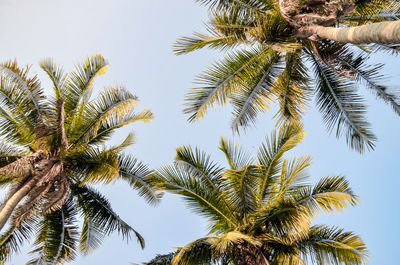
(300, 13)
(248, 254)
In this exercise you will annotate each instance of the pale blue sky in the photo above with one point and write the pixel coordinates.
(136, 38)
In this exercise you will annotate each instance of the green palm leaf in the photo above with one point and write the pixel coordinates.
(110, 104)
(12, 240)
(270, 156)
(99, 212)
(56, 242)
(56, 75)
(201, 198)
(255, 93)
(330, 194)
(138, 176)
(291, 89)
(236, 155)
(78, 88)
(342, 108)
(220, 81)
(29, 89)
(334, 246)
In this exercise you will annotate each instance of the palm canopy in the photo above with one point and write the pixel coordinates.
(269, 62)
(260, 209)
(53, 149)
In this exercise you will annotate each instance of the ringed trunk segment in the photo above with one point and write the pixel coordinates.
(387, 32)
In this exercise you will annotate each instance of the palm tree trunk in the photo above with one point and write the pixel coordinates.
(387, 32)
(15, 199)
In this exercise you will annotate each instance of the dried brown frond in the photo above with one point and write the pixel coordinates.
(57, 198)
(22, 167)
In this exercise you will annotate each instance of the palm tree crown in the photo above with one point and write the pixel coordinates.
(52, 152)
(269, 62)
(260, 210)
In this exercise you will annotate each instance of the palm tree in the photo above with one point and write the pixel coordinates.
(260, 210)
(53, 151)
(269, 62)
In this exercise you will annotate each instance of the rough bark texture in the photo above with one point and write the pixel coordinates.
(22, 167)
(250, 255)
(300, 13)
(382, 32)
(312, 19)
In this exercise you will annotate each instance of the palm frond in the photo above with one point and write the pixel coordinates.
(236, 155)
(15, 125)
(111, 104)
(334, 246)
(342, 107)
(91, 236)
(56, 75)
(345, 62)
(292, 89)
(98, 210)
(254, 93)
(79, 85)
(271, 152)
(284, 219)
(373, 11)
(107, 129)
(198, 196)
(58, 237)
(391, 49)
(227, 242)
(249, 5)
(330, 194)
(197, 252)
(227, 29)
(221, 80)
(212, 40)
(137, 175)
(10, 152)
(199, 165)
(29, 89)
(293, 176)
(12, 240)
(240, 186)
(95, 165)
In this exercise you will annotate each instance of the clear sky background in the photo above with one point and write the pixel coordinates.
(136, 38)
